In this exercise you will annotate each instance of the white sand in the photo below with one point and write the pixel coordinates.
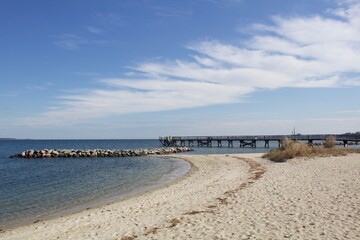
(228, 197)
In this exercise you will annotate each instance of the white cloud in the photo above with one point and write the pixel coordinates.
(349, 111)
(225, 3)
(109, 18)
(94, 30)
(89, 74)
(162, 11)
(43, 86)
(70, 41)
(11, 94)
(74, 42)
(294, 52)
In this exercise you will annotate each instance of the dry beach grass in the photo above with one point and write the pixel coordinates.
(292, 149)
(228, 197)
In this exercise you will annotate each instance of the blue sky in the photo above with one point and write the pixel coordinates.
(147, 68)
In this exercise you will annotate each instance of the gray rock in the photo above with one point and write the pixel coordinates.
(77, 153)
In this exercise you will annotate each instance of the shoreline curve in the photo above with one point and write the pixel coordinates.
(232, 196)
(179, 170)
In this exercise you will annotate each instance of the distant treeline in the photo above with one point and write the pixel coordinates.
(354, 133)
(7, 139)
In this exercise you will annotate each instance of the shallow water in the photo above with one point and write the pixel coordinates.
(32, 188)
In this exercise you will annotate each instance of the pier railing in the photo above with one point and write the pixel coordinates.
(252, 140)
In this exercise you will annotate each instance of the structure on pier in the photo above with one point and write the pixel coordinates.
(252, 141)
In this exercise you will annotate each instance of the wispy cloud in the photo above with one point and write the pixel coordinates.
(11, 94)
(25, 89)
(349, 111)
(299, 52)
(74, 42)
(94, 30)
(89, 74)
(225, 3)
(43, 86)
(70, 41)
(109, 18)
(162, 11)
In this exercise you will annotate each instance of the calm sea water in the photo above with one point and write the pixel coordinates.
(34, 188)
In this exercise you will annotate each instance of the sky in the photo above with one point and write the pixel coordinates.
(108, 69)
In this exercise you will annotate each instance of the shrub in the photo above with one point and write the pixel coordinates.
(330, 142)
(291, 149)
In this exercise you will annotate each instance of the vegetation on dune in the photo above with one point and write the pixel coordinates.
(330, 142)
(292, 149)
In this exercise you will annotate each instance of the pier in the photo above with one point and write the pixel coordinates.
(253, 141)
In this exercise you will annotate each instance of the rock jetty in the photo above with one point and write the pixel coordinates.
(77, 153)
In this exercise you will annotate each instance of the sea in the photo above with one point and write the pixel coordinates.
(37, 189)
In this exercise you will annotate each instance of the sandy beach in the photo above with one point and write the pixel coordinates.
(235, 196)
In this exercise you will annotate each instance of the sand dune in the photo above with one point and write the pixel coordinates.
(228, 197)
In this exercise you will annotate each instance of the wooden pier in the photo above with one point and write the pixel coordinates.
(253, 141)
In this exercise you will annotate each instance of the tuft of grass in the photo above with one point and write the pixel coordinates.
(292, 149)
(330, 142)
(289, 149)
